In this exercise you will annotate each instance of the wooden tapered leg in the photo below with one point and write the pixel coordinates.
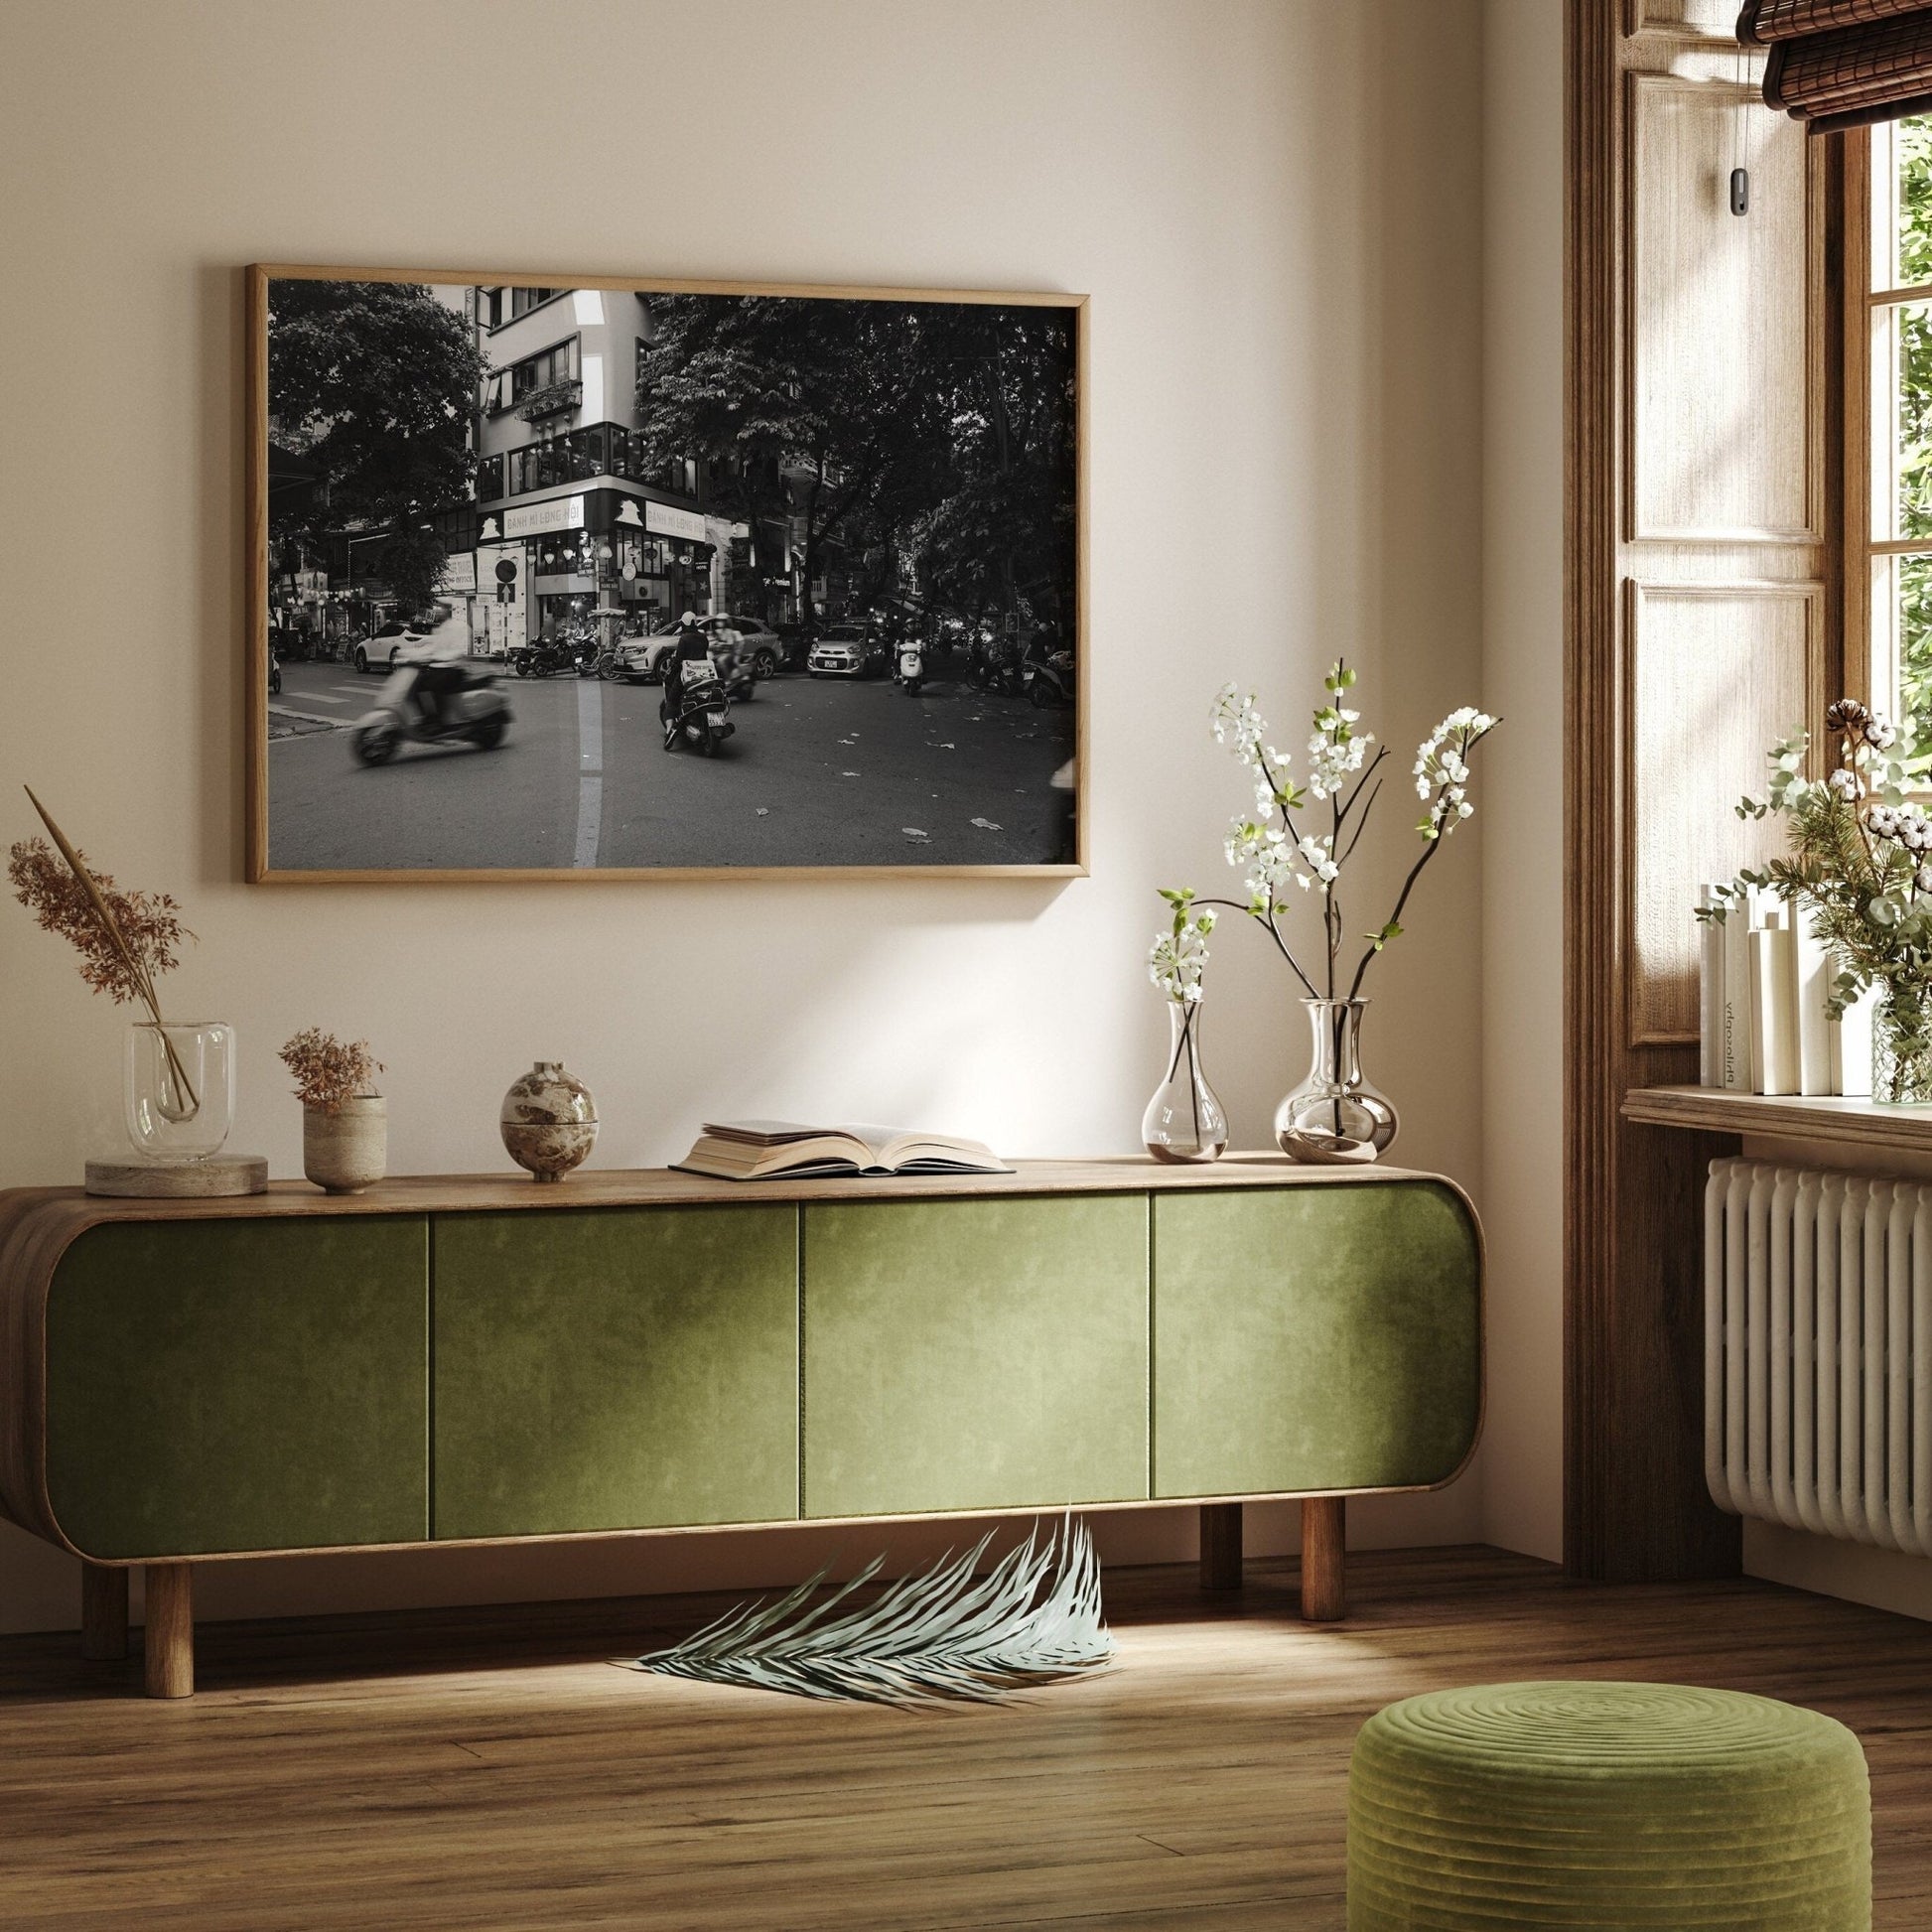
(170, 1636)
(103, 1611)
(1220, 1546)
(1325, 1587)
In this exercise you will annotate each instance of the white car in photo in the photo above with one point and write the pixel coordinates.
(844, 650)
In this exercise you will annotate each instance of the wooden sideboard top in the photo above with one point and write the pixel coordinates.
(72, 1210)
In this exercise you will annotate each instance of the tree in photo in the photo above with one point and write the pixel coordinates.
(931, 441)
(1000, 532)
(372, 383)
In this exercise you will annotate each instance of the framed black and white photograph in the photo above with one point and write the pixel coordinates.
(624, 579)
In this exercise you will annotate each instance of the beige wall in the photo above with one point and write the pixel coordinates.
(1522, 679)
(1276, 208)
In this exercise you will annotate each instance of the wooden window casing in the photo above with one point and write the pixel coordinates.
(1704, 595)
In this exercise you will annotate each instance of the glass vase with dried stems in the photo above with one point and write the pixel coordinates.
(126, 939)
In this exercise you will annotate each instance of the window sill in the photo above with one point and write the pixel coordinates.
(1850, 1122)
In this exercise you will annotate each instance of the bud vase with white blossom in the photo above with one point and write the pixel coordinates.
(1185, 1120)
(1300, 836)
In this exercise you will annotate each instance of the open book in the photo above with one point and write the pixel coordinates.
(760, 1150)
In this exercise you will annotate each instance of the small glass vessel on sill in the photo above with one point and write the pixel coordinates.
(1336, 1115)
(180, 1089)
(1185, 1120)
(1901, 1051)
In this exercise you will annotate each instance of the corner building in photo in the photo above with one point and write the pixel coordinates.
(567, 518)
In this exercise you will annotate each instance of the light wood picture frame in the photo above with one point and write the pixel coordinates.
(489, 512)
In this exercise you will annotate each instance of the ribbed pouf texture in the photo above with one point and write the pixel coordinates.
(1606, 1805)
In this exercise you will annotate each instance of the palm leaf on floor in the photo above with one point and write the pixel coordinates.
(946, 1635)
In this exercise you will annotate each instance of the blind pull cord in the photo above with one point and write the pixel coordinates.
(1740, 176)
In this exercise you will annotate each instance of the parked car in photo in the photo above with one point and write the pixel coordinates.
(732, 638)
(847, 650)
(388, 644)
(643, 657)
(757, 640)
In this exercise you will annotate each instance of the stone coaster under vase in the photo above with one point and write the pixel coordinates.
(219, 1174)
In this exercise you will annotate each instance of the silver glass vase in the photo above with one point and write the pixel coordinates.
(1334, 1113)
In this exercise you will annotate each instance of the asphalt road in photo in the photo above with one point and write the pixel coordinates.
(820, 771)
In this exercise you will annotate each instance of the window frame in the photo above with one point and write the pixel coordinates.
(501, 390)
(501, 310)
(1869, 660)
(1855, 417)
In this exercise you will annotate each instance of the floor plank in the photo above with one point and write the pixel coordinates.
(490, 1769)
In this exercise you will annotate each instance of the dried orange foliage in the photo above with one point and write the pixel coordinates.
(327, 1071)
(150, 922)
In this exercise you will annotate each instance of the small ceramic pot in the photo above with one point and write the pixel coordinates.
(346, 1151)
(549, 1121)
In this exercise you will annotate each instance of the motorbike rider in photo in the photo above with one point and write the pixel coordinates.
(691, 647)
(441, 655)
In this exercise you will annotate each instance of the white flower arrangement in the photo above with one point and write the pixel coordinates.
(1270, 853)
(1179, 958)
(1860, 864)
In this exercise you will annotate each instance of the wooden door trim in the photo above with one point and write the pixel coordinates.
(1593, 779)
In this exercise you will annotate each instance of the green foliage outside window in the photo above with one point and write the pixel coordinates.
(1912, 151)
(1913, 581)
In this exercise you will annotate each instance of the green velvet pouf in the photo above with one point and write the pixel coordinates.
(1576, 1804)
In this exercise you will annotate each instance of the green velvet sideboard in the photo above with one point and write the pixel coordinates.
(475, 1359)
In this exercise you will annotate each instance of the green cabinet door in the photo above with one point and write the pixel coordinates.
(975, 1354)
(1317, 1337)
(239, 1385)
(615, 1368)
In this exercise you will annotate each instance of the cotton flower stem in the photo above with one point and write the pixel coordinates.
(1848, 756)
(137, 971)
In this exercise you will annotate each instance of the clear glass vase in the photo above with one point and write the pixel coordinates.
(1335, 1113)
(180, 1089)
(1901, 1049)
(1185, 1120)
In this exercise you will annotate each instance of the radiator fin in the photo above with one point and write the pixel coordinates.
(1817, 1351)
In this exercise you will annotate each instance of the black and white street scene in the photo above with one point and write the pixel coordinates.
(593, 578)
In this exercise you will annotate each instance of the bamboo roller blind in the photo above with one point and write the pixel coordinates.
(1844, 63)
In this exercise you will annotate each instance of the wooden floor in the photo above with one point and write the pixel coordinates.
(490, 1768)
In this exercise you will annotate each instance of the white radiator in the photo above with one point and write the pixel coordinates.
(1817, 1351)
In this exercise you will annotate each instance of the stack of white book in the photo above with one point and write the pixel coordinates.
(1763, 1022)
